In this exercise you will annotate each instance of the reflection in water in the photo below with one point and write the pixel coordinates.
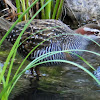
(34, 93)
(68, 83)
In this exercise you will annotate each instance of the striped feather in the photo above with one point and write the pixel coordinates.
(39, 31)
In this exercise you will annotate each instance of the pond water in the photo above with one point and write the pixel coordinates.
(58, 83)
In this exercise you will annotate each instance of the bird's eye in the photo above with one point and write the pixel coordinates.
(96, 33)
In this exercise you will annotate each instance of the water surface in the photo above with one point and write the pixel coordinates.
(59, 83)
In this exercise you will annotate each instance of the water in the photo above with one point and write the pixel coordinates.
(58, 83)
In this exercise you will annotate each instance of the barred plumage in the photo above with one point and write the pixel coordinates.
(56, 36)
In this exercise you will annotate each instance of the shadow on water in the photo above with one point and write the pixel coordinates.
(59, 83)
(38, 92)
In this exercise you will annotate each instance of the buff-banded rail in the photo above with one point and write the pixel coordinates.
(56, 35)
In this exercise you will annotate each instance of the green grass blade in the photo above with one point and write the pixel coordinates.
(67, 51)
(32, 64)
(75, 64)
(17, 41)
(42, 12)
(23, 31)
(27, 1)
(48, 9)
(11, 65)
(18, 8)
(59, 9)
(55, 9)
(1, 41)
(23, 8)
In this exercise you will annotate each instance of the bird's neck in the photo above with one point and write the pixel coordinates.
(80, 31)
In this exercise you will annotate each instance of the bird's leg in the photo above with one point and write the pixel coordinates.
(32, 71)
(37, 72)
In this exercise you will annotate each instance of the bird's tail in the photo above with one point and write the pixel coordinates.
(4, 24)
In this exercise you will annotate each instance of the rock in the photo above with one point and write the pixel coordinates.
(82, 11)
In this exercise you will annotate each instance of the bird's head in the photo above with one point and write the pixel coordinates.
(90, 30)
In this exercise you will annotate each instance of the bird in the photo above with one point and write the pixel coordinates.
(56, 35)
